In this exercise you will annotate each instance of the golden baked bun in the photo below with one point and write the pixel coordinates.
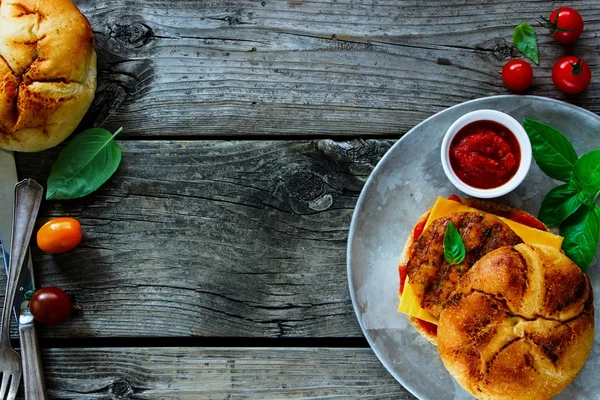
(520, 324)
(47, 72)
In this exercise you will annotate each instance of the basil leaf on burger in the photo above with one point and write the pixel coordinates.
(454, 248)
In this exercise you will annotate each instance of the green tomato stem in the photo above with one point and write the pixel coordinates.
(28, 294)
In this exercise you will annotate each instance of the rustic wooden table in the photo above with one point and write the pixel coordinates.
(213, 262)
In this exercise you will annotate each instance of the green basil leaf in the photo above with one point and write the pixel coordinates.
(583, 196)
(559, 203)
(586, 173)
(581, 232)
(525, 40)
(552, 151)
(587, 199)
(84, 164)
(454, 248)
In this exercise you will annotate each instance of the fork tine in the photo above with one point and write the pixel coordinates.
(14, 387)
(8, 381)
(4, 387)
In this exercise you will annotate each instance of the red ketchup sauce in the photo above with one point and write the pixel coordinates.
(428, 327)
(420, 226)
(521, 218)
(485, 154)
(527, 220)
(402, 273)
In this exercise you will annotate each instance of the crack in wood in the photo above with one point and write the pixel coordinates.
(231, 20)
(209, 38)
(367, 42)
(248, 303)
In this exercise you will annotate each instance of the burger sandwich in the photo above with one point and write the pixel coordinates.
(427, 279)
(513, 317)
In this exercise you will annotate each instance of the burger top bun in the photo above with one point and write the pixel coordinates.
(47, 72)
(519, 325)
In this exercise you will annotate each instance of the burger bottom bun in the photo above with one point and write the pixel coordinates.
(423, 332)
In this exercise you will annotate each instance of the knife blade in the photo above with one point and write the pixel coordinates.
(8, 180)
(33, 376)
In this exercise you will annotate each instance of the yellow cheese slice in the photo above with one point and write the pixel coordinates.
(410, 304)
(444, 207)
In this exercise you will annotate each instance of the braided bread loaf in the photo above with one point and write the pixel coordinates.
(47, 72)
(520, 324)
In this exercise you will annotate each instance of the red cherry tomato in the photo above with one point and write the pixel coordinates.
(571, 75)
(59, 235)
(565, 24)
(50, 305)
(517, 75)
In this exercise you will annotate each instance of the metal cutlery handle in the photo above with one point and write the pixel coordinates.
(33, 374)
(27, 200)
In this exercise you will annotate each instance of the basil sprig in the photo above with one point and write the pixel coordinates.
(573, 204)
(525, 40)
(454, 248)
(84, 164)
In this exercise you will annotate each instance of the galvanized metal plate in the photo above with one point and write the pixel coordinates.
(403, 186)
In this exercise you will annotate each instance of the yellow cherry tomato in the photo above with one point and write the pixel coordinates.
(59, 235)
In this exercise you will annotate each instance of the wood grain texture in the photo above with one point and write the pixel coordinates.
(303, 67)
(211, 238)
(218, 373)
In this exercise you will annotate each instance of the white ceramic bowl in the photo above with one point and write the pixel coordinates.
(488, 115)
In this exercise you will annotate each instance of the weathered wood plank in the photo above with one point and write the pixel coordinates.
(212, 238)
(302, 67)
(218, 373)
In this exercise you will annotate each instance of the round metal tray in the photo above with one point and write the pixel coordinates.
(403, 186)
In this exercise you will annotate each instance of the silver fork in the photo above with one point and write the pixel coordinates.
(28, 196)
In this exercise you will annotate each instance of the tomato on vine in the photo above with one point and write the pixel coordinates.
(571, 75)
(517, 75)
(565, 24)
